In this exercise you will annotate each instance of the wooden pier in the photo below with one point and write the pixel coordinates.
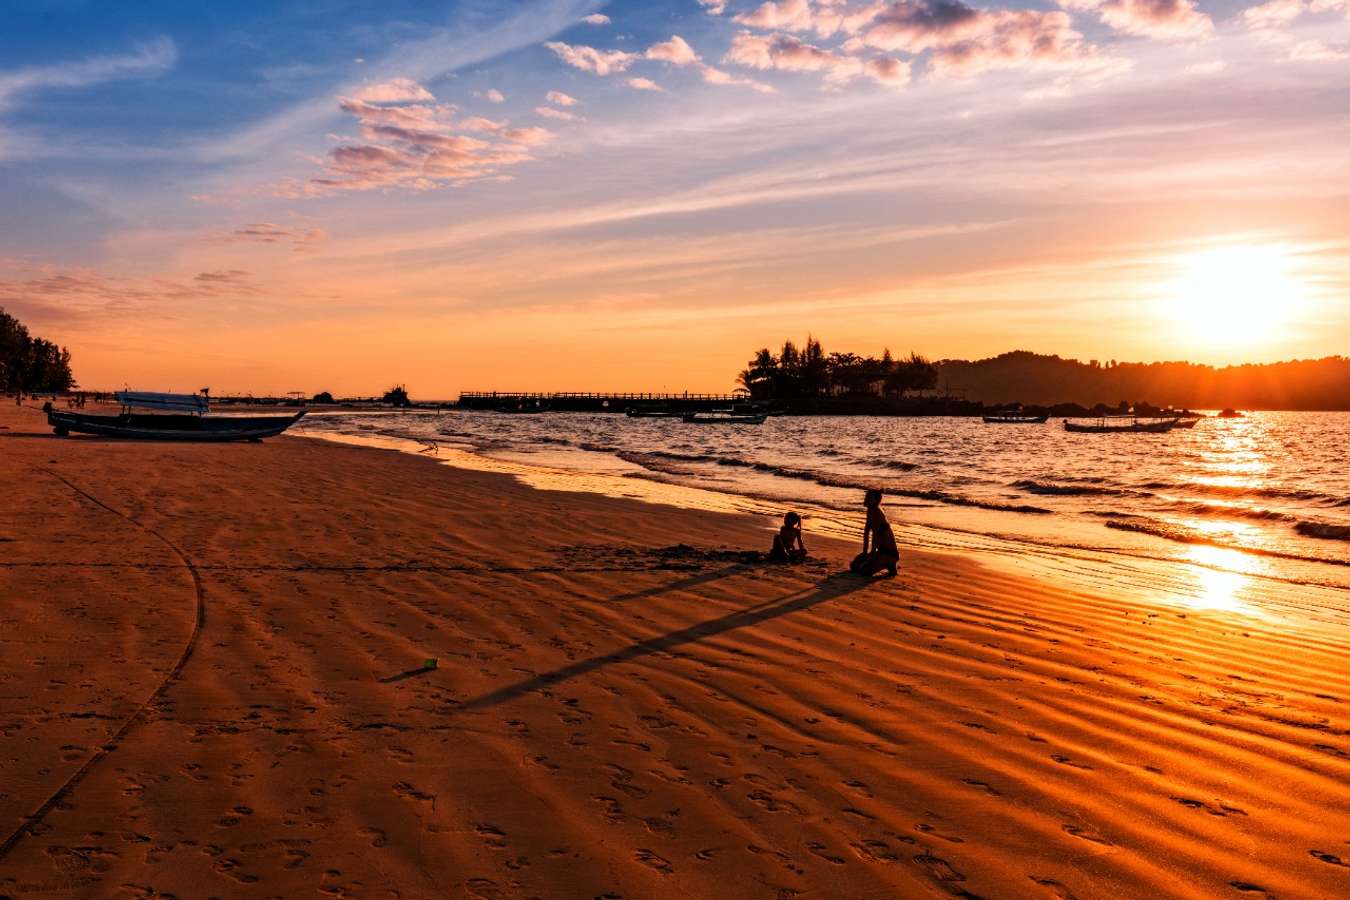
(582, 401)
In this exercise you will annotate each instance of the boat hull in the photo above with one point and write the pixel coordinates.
(210, 429)
(1135, 428)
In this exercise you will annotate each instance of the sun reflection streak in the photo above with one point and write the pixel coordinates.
(1221, 579)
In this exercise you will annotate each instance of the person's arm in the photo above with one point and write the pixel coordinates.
(867, 531)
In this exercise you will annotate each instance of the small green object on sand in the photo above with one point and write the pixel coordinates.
(432, 663)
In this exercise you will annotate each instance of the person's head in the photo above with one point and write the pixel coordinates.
(872, 498)
(792, 520)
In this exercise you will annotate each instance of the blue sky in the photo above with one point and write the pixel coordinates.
(432, 192)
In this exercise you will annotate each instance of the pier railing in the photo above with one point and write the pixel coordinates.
(615, 401)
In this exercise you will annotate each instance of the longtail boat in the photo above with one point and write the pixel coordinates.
(183, 418)
(1133, 426)
(1016, 419)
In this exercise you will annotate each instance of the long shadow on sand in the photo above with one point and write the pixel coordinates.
(683, 583)
(832, 588)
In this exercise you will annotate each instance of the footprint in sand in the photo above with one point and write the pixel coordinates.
(1066, 761)
(376, 835)
(929, 829)
(1246, 887)
(983, 786)
(1085, 834)
(1056, 888)
(1329, 858)
(1221, 810)
(939, 869)
(491, 835)
(653, 861)
(819, 849)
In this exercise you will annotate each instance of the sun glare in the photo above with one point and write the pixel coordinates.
(1233, 295)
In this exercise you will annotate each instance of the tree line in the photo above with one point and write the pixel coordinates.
(28, 363)
(1043, 380)
(808, 371)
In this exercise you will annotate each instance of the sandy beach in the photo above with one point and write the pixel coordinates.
(213, 683)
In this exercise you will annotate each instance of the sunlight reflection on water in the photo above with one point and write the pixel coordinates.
(1220, 580)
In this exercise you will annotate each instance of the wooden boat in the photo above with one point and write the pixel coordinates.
(1015, 419)
(637, 412)
(1133, 426)
(1230, 414)
(186, 421)
(1184, 423)
(723, 418)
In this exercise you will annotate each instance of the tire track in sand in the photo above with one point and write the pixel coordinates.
(108, 746)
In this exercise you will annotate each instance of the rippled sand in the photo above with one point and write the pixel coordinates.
(213, 682)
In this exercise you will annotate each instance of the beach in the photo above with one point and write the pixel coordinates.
(215, 682)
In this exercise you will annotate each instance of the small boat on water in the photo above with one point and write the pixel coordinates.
(1130, 425)
(1015, 419)
(638, 412)
(723, 418)
(183, 417)
(1231, 414)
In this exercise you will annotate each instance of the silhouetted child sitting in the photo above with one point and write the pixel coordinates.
(787, 543)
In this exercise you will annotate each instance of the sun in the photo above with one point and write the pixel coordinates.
(1233, 295)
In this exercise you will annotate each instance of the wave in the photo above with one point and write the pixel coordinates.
(1223, 511)
(1240, 491)
(1047, 488)
(1324, 530)
(659, 461)
(1183, 535)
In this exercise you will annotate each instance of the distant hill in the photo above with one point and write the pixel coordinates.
(1032, 378)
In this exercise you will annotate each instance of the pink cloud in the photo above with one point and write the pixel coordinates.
(415, 148)
(965, 41)
(644, 84)
(396, 90)
(885, 70)
(528, 136)
(558, 98)
(714, 75)
(714, 7)
(789, 54)
(548, 112)
(589, 59)
(675, 51)
(418, 116)
(1169, 20)
(478, 123)
(492, 95)
(268, 233)
(596, 19)
(1272, 14)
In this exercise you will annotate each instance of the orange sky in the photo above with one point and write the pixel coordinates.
(647, 227)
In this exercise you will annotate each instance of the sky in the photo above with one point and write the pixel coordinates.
(580, 195)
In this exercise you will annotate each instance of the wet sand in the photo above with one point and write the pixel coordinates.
(212, 684)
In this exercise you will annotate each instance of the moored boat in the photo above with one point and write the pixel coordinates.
(724, 418)
(638, 412)
(1016, 419)
(185, 419)
(1132, 426)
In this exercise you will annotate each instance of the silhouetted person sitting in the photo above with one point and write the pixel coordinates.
(787, 543)
(879, 550)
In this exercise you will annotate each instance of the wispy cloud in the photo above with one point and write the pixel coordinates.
(145, 60)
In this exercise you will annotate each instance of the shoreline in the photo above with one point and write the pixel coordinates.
(1198, 576)
(611, 714)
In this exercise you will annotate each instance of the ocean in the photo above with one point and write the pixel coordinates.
(1250, 515)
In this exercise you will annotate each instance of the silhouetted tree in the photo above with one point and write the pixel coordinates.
(31, 364)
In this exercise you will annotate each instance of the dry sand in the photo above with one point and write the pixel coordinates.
(210, 686)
